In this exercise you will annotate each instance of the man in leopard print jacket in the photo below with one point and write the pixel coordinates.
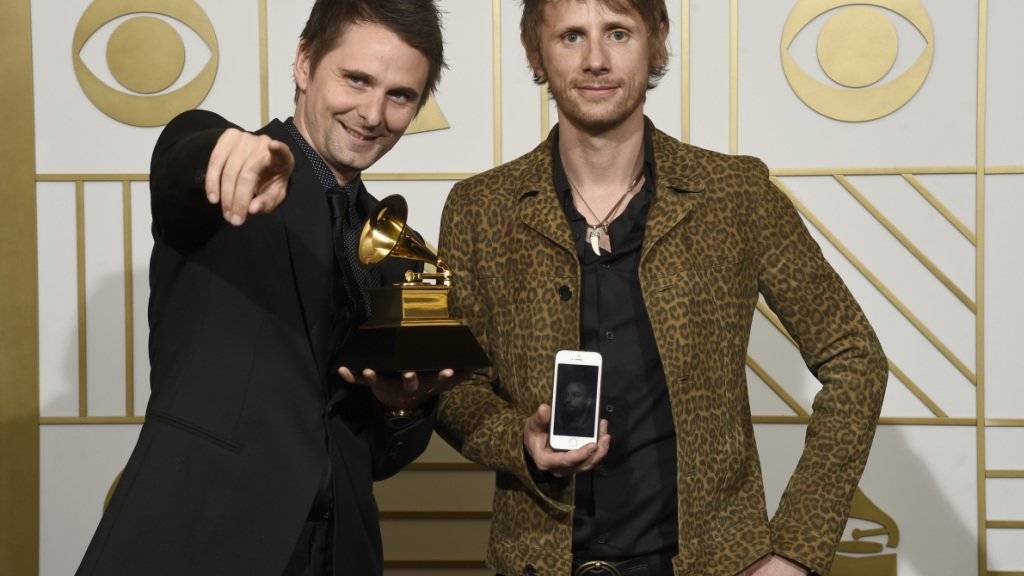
(613, 221)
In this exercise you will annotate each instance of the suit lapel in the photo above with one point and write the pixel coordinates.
(307, 227)
(539, 206)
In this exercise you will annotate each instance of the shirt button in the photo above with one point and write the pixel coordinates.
(564, 292)
(602, 471)
(606, 266)
(609, 408)
(602, 539)
(609, 335)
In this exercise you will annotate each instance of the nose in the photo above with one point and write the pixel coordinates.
(596, 58)
(371, 109)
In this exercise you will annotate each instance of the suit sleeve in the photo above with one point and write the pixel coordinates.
(483, 425)
(841, 350)
(182, 216)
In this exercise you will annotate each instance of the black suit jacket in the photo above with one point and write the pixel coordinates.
(239, 424)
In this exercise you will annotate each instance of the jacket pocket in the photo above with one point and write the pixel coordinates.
(194, 430)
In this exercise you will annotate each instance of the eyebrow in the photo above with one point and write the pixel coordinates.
(407, 91)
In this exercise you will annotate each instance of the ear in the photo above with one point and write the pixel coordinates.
(660, 56)
(301, 70)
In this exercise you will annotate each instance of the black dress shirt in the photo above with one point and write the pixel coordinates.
(626, 507)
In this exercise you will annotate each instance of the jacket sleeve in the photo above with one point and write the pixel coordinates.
(842, 351)
(475, 417)
(182, 216)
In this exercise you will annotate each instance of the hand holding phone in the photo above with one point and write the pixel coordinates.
(556, 462)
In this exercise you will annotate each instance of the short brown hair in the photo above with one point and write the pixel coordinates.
(416, 22)
(653, 13)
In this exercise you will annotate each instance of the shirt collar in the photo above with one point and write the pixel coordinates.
(561, 180)
(323, 172)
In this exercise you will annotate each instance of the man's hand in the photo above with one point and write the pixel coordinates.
(408, 391)
(247, 174)
(772, 565)
(535, 438)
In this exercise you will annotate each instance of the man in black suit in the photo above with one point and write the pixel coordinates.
(258, 453)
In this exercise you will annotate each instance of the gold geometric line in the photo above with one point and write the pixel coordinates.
(734, 67)
(445, 467)
(83, 397)
(1005, 524)
(1004, 422)
(77, 420)
(776, 387)
(938, 205)
(545, 112)
(1005, 170)
(896, 370)
(394, 176)
(435, 514)
(264, 67)
(129, 305)
(874, 171)
(416, 176)
(92, 177)
(496, 77)
(1005, 573)
(884, 421)
(979, 284)
(434, 565)
(906, 242)
(916, 391)
(896, 303)
(685, 65)
(1004, 474)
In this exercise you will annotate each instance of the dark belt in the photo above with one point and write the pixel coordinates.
(655, 564)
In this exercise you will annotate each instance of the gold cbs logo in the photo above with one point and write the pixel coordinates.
(857, 47)
(146, 55)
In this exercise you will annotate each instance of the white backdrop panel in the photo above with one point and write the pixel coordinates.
(104, 307)
(909, 136)
(58, 299)
(1005, 127)
(142, 246)
(709, 74)
(1004, 288)
(521, 130)
(921, 476)
(60, 103)
(77, 466)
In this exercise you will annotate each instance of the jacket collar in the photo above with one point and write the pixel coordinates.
(679, 179)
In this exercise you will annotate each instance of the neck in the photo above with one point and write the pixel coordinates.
(298, 118)
(602, 162)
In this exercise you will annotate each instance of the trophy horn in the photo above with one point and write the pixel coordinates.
(387, 235)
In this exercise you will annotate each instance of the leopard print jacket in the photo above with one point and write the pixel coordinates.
(718, 234)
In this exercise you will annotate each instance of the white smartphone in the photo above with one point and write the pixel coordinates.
(575, 397)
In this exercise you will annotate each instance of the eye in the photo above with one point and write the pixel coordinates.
(144, 68)
(858, 48)
(572, 37)
(619, 35)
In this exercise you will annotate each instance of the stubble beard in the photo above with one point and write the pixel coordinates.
(596, 117)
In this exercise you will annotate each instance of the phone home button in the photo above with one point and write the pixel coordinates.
(573, 442)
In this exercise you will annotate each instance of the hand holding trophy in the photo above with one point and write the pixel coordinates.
(409, 328)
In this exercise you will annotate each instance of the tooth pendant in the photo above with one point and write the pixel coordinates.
(598, 238)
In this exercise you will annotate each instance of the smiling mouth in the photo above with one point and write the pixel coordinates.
(596, 90)
(359, 136)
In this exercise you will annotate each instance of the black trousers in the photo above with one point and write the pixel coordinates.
(313, 552)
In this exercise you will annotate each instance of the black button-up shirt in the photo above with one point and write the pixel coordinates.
(627, 506)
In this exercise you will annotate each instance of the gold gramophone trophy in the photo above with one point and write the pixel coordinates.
(409, 328)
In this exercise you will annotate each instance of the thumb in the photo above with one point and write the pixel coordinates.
(281, 159)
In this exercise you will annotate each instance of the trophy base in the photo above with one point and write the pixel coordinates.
(413, 346)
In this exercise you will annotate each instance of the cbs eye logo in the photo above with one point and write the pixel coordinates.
(146, 55)
(857, 47)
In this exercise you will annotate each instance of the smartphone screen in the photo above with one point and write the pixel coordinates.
(576, 400)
